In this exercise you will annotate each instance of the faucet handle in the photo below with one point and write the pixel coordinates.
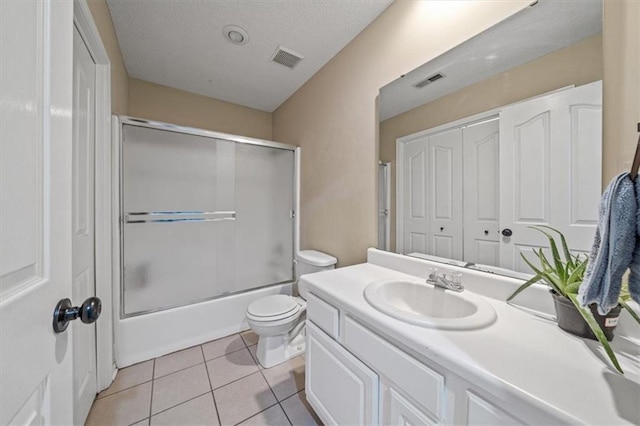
(456, 279)
(433, 274)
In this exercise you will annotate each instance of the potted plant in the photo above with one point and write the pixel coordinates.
(564, 277)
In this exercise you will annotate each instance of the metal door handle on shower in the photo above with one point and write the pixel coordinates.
(178, 216)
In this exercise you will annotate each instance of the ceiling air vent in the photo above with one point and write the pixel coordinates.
(428, 80)
(286, 57)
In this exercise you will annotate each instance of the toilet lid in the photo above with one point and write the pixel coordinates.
(278, 305)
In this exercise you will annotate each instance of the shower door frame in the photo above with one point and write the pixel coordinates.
(119, 123)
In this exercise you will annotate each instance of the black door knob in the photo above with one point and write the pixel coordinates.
(507, 232)
(65, 312)
(486, 232)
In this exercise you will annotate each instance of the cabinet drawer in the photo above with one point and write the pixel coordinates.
(410, 375)
(341, 389)
(323, 315)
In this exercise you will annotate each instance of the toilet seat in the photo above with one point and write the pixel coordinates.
(273, 308)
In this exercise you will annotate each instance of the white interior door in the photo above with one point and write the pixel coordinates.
(84, 340)
(415, 199)
(481, 193)
(445, 192)
(35, 210)
(550, 170)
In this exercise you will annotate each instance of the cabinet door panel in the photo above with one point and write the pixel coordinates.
(340, 388)
(402, 412)
(413, 377)
(481, 412)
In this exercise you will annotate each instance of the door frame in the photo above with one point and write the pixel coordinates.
(83, 20)
(387, 204)
(402, 141)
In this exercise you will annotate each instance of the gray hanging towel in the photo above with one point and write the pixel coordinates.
(613, 245)
(634, 276)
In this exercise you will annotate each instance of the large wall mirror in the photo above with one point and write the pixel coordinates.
(499, 134)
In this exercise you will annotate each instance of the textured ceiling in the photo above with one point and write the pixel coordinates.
(534, 32)
(179, 43)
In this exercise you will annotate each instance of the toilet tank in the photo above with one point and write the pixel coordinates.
(310, 261)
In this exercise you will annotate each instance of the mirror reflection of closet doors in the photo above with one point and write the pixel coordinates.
(551, 171)
(432, 195)
(481, 193)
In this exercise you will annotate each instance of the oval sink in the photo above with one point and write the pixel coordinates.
(428, 306)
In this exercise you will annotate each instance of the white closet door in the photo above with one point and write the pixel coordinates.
(415, 199)
(445, 191)
(481, 193)
(550, 170)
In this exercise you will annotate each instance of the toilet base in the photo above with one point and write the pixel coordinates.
(274, 350)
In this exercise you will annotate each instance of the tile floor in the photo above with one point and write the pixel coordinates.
(217, 383)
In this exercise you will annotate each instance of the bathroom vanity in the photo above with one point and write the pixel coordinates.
(367, 367)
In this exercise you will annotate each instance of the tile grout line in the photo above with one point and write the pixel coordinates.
(168, 374)
(122, 390)
(234, 380)
(177, 405)
(204, 362)
(153, 372)
(178, 371)
(215, 405)
(275, 397)
(253, 415)
(285, 413)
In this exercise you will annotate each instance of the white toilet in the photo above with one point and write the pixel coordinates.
(279, 320)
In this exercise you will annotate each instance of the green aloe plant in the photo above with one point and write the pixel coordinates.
(565, 276)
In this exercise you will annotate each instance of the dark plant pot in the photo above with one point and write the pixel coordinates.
(570, 320)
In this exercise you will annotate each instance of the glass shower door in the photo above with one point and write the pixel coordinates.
(202, 217)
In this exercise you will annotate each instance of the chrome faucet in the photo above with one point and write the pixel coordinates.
(453, 282)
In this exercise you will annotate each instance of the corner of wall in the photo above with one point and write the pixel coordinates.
(119, 77)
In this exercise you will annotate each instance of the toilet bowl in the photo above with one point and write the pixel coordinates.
(279, 320)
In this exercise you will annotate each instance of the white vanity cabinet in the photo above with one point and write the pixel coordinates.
(341, 389)
(356, 377)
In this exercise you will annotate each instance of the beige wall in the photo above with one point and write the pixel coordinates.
(147, 100)
(333, 116)
(621, 41)
(119, 77)
(577, 64)
(155, 102)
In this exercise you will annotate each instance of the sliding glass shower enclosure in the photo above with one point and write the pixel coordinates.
(203, 215)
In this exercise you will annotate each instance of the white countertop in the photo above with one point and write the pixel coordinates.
(566, 376)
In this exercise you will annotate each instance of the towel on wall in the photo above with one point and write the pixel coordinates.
(613, 246)
(634, 276)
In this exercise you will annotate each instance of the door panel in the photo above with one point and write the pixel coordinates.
(485, 252)
(442, 246)
(35, 214)
(531, 169)
(416, 224)
(550, 170)
(445, 190)
(481, 193)
(84, 341)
